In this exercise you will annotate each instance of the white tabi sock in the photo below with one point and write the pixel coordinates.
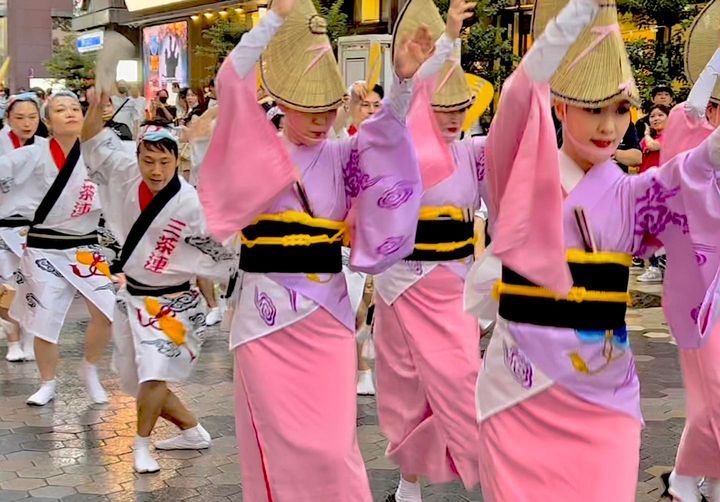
(710, 488)
(44, 395)
(195, 438)
(15, 352)
(143, 459)
(365, 384)
(28, 345)
(408, 492)
(684, 488)
(89, 376)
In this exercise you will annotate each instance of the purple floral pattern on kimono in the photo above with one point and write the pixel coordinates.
(653, 213)
(265, 307)
(701, 253)
(293, 299)
(480, 167)
(355, 179)
(396, 196)
(695, 313)
(390, 245)
(519, 365)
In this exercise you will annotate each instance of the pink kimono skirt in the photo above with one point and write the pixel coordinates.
(295, 411)
(428, 358)
(555, 446)
(699, 451)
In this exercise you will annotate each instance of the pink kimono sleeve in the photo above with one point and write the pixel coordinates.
(678, 206)
(382, 180)
(523, 178)
(246, 166)
(683, 131)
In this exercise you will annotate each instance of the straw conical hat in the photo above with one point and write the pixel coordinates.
(453, 92)
(416, 13)
(702, 43)
(298, 67)
(596, 69)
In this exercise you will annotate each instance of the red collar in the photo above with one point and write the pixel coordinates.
(352, 130)
(57, 154)
(144, 195)
(15, 140)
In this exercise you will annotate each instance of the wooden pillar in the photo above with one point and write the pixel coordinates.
(395, 6)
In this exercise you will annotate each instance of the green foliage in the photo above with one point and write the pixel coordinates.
(660, 61)
(337, 20)
(221, 38)
(648, 13)
(66, 63)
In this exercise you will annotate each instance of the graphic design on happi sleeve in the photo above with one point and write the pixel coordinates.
(208, 246)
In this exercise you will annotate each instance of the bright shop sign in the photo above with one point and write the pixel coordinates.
(133, 5)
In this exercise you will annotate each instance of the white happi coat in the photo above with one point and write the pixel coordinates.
(149, 342)
(48, 278)
(12, 240)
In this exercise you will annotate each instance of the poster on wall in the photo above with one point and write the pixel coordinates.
(165, 57)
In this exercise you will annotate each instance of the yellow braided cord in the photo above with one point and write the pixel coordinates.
(598, 258)
(576, 294)
(303, 219)
(444, 247)
(434, 213)
(342, 233)
(292, 240)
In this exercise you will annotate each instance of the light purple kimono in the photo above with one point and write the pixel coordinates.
(375, 172)
(562, 385)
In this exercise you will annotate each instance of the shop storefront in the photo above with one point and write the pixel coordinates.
(172, 32)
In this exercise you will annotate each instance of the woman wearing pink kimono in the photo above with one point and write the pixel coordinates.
(558, 395)
(690, 123)
(427, 347)
(289, 196)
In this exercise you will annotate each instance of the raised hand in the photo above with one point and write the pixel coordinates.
(282, 8)
(203, 127)
(458, 12)
(94, 122)
(413, 51)
(360, 90)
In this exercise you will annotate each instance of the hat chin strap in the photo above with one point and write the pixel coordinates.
(588, 151)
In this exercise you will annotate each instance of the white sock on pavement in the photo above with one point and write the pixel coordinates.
(365, 384)
(408, 492)
(28, 345)
(44, 395)
(88, 373)
(15, 352)
(142, 458)
(194, 438)
(684, 488)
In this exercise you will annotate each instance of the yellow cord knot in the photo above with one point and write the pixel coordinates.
(577, 295)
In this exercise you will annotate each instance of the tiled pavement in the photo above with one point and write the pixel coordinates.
(74, 451)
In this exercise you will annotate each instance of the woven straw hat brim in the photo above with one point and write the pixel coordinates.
(416, 13)
(457, 107)
(455, 93)
(298, 67)
(702, 43)
(596, 78)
